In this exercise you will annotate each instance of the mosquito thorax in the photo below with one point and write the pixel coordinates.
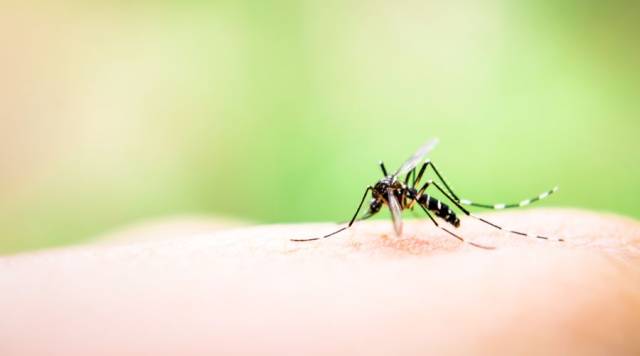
(381, 187)
(412, 192)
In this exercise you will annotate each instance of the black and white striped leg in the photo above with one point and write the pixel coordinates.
(364, 196)
(453, 234)
(466, 212)
(498, 206)
(510, 205)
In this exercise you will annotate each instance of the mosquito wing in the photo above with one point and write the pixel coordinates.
(417, 157)
(394, 206)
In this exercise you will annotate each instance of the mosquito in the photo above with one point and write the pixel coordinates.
(400, 194)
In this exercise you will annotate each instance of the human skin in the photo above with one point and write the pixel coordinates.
(249, 290)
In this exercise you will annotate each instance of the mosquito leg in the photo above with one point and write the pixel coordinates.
(363, 217)
(384, 169)
(364, 196)
(510, 205)
(466, 212)
(406, 178)
(422, 170)
(410, 201)
(416, 181)
(453, 234)
(490, 206)
(403, 201)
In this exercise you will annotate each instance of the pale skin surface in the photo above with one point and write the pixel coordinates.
(199, 289)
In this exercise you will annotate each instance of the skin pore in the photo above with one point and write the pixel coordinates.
(201, 288)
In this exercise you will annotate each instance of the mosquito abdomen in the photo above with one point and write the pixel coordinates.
(439, 208)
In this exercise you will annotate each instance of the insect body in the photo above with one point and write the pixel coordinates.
(404, 194)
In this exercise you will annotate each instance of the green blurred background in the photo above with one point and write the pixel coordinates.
(278, 111)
